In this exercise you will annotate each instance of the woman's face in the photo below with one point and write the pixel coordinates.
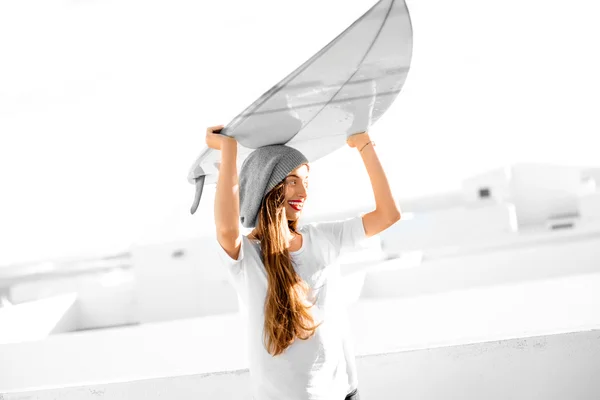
(296, 187)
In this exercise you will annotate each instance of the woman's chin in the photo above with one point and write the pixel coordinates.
(293, 215)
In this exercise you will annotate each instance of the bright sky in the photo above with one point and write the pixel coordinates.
(104, 106)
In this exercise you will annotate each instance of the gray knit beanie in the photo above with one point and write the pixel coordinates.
(261, 171)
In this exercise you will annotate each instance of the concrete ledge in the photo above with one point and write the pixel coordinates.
(35, 320)
(217, 343)
(549, 257)
(537, 368)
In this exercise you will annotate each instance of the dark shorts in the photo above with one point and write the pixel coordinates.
(353, 395)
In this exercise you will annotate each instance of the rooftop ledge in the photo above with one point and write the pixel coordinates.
(216, 344)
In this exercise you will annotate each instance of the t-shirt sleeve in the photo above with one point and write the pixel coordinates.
(233, 266)
(348, 234)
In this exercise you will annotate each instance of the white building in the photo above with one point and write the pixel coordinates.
(511, 261)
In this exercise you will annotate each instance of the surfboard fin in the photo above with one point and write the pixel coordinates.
(199, 182)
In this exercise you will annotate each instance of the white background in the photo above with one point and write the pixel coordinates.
(104, 106)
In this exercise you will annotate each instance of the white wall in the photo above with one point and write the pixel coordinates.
(538, 191)
(379, 325)
(551, 367)
(104, 298)
(497, 181)
(451, 227)
(35, 320)
(543, 191)
(170, 287)
(546, 256)
(589, 207)
(185, 279)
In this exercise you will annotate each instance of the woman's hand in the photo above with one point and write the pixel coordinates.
(358, 140)
(215, 140)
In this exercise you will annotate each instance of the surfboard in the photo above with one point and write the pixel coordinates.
(341, 90)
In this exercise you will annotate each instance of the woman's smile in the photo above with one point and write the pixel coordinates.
(296, 205)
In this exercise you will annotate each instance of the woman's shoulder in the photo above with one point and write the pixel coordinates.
(310, 229)
(306, 228)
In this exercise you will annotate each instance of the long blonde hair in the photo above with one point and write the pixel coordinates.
(287, 314)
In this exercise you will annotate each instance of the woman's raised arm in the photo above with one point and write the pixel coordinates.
(227, 196)
(386, 212)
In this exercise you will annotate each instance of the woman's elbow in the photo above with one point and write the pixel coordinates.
(395, 217)
(390, 217)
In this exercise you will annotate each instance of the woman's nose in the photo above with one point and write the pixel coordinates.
(302, 191)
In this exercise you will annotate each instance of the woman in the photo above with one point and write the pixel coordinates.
(286, 275)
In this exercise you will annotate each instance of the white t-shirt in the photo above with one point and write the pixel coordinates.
(322, 367)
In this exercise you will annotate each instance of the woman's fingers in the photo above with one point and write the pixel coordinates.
(212, 129)
(213, 138)
(356, 139)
